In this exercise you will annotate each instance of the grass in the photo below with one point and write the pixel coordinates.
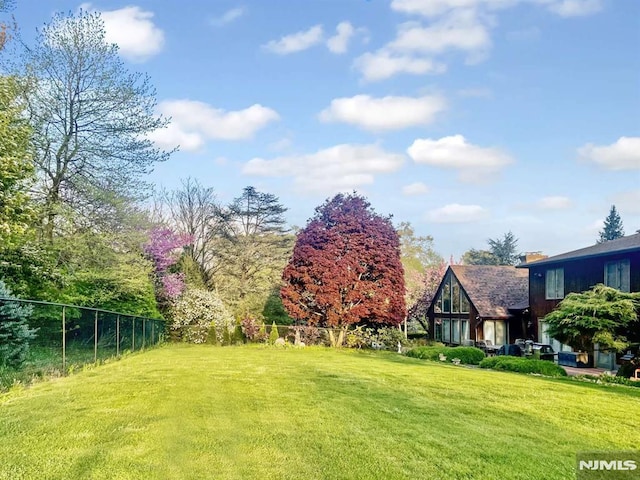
(197, 412)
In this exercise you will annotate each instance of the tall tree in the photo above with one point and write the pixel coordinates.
(195, 212)
(90, 116)
(345, 268)
(505, 249)
(16, 168)
(479, 257)
(502, 251)
(252, 251)
(612, 228)
(417, 255)
(417, 312)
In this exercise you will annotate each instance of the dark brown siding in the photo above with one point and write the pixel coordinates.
(579, 275)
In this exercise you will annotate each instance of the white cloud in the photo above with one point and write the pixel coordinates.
(386, 113)
(384, 64)
(432, 8)
(193, 122)
(296, 42)
(624, 154)
(456, 213)
(228, 17)
(336, 169)
(554, 203)
(575, 8)
(340, 41)
(415, 189)
(133, 30)
(460, 30)
(474, 163)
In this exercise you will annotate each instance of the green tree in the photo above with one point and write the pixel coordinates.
(502, 251)
(612, 228)
(601, 315)
(15, 333)
(90, 117)
(417, 256)
(16, 167)
(252, 250)
(479, 257)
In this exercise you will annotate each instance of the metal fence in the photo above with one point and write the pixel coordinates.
(70, 335)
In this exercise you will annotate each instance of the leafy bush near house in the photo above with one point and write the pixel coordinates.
(199, 314)
(523, 365)
(467, 355)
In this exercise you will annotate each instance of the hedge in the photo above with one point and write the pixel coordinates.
(523, 365)
(466, 355)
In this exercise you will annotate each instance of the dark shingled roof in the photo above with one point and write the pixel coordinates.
(494, 290)
(620, 245)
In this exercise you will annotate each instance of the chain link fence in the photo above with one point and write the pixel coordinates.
(70, 336)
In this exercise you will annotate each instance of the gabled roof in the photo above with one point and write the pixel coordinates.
(629, 243)
(494, 290)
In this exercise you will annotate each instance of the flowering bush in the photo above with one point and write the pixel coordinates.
(200, 313)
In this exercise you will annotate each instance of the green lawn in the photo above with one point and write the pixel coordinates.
(254, 412)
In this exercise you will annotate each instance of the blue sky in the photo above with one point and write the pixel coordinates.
(467, 118)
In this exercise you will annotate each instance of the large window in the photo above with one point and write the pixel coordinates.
(438, 330)
(554, 284)
(455, 296)
(455, 331)
(446, 331)
(495, 330)
(446, 297)
(618, 275)
(464, 303)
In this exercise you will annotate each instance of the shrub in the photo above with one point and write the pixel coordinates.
(360, 337)
(196, 312)
(467, 355)
(390, 337)
(523, 365)
(273, 334)
(15, 333)
(428, 353)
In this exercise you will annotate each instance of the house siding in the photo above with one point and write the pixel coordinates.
(580, 275)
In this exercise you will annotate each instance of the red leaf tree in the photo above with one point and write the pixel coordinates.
(345, 268)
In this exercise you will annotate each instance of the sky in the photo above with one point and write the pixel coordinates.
(466, 118)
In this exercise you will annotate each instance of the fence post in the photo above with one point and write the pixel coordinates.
(144, 331)
(117, 335)
(95, 338)
(153, 332)
(64, 342)
(133, 334)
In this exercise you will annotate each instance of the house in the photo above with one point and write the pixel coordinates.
(615, 263)
(480, 302)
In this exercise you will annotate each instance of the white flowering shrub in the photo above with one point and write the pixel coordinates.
(198, 314)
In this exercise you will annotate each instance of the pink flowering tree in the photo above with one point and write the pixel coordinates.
(164, 249)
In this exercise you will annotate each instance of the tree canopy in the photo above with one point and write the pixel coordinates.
(612, 227)
(601, 315)
(90, 117)
(345, 268)
(502, 251)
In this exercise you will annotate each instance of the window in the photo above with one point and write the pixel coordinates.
(464, 330)
(617, 275)
(455, 324)
(464, 302)
(446, 297)
(446, 331)
(495, 330)
(455, 296)
(438, 330)
(554, 284)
